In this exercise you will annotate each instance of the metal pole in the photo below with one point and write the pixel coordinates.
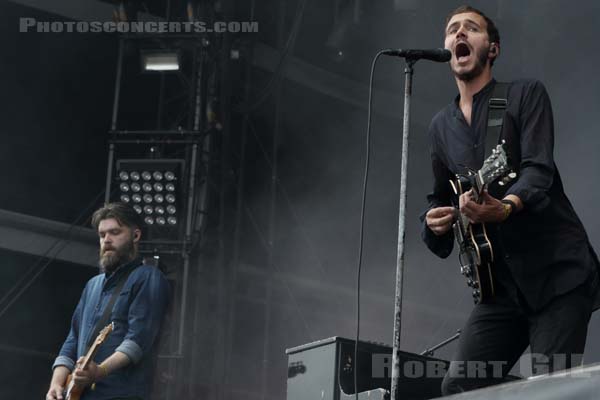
(408, 73)
(190, 201)
(113, 125)
(191, 194)
(185, 254)
(198, 105)
(197, 120)
(109, 168)
(238, 216)
(161, 94)
(272, 214)
(182, 309)
(429, 352)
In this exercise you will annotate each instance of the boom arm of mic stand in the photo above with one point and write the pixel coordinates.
(429, 352)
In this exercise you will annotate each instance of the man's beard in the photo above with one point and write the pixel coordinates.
(110, 261)
(480, 61)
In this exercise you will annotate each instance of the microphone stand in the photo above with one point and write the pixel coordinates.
(430, 351)
(395, 389)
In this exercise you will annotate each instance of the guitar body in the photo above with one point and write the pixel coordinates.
(476, 253)
(73, 392)
(482, 268)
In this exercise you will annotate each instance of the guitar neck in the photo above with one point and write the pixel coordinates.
(478, 188)
(90, 355)
(94, 347)
(73, 392)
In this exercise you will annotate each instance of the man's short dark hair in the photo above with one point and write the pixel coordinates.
(492, 31)
(123, 213)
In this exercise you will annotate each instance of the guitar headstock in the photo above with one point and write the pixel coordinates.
(104, 333)
(496, 166)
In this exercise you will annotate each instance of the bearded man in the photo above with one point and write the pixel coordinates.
(121, 368)
(544, 269)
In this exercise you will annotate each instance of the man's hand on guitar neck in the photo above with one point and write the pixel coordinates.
(490, 209)
(94, 372)
(87, 376)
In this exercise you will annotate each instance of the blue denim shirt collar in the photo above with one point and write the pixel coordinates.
(111, 278)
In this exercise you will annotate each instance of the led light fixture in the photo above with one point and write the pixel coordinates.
(160, 61)
(153, 186)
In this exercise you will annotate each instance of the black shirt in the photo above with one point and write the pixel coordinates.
(544, 246)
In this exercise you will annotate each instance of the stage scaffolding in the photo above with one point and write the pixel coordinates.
(181, 135)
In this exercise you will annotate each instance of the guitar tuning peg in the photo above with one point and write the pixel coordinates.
(512, 175)
(505, 180)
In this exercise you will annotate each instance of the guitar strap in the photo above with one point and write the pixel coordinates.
(496, 108)
(108, 309)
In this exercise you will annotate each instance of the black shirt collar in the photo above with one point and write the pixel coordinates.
(484, 91)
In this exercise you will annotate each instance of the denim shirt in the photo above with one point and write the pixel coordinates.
(137, 315)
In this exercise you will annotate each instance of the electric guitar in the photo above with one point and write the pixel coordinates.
(476, 254)
(74, 392)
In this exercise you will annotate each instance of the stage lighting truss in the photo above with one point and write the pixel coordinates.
(155, 190)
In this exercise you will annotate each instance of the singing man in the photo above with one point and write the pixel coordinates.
(545, 271)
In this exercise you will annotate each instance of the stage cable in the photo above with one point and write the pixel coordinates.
(362, 219)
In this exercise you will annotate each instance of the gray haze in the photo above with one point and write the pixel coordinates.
(540, 39)
(321, 174)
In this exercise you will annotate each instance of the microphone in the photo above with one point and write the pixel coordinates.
(437, 55)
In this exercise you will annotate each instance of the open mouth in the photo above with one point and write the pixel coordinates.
(462, 51)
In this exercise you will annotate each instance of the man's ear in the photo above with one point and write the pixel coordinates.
(137, 235)
(494, 50)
